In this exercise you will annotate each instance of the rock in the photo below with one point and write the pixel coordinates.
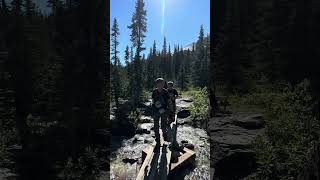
(242, 164)
(147, 141)
(184, 141)
(230, 138)
(184, 121)
(184, 113)
(142, 131)
(251, 122)
(189, 146)
(146, 125)
(137, 138)
(146, 119)
(128, 160)
(6, 173)
(183, 103)
(187, 99)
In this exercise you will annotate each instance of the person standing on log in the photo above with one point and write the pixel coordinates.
(173, 93)
(160, 105)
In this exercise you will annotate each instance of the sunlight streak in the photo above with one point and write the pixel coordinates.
(163, 13)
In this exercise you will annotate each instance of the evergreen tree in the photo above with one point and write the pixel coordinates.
(16, 7)
(150, 70)
(55, 5)
(127, 57)
(116, 62)
(198, 64)
(128, 72)
(169, 64)
(138, 29)
(164, 59)
(29, 8)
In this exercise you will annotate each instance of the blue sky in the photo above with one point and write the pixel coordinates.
(178, 20)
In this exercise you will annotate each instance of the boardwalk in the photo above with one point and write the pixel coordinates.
(157, 161)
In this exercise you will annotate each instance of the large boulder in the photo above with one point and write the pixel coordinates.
(231, 137)
(183, 113)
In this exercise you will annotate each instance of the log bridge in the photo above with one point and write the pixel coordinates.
(159, 162)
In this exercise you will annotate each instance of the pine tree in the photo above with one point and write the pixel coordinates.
(116, 62)
(29, 8)
(155, 59)
(150, 70)
(127, 57)
(16, 7)
(198, 65)
(128, 72)
(164, 60)
(138, 29)
(55, 5)
(169, 64)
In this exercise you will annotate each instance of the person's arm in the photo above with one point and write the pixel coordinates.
(175, 92)
(152, 96)
(170, 105)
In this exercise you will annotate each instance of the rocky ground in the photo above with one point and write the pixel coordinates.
(230, 140)
(126, 152)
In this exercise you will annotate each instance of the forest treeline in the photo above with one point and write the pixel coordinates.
(266, 53)
(265, 42)
(54, 89)
(187, 67)
(133, 80)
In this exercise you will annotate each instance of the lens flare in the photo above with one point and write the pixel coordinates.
(163, 18)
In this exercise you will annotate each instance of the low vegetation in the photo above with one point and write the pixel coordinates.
(288, 149)
(86, 166)
(200, 107)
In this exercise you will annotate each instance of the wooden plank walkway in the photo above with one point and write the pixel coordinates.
(157, 161)
(188, 156)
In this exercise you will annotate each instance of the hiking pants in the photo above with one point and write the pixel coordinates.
(164, 125)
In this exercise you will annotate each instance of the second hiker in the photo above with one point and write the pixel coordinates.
(173, 93)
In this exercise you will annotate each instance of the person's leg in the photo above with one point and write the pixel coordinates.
(156, 127)
(164, 125)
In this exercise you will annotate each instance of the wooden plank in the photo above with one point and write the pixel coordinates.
(146, 151)
(156, 163)
(187, 157)
(144, 166)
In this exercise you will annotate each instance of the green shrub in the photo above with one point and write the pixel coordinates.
(290, 133)
(135, 117)
(146, 95)
(200, 107)
(87, 166)
(7, 138)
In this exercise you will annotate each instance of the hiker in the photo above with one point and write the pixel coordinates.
(173, 93)
(165, 85)
(160, 105)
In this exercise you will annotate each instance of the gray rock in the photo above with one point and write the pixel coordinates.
(183, 113)
(128, 160)
(251, 122)
(184, 141)
(230, 139)
(189, 146)
(146, 119)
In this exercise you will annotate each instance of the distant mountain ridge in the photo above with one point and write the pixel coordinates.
(189, 46)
